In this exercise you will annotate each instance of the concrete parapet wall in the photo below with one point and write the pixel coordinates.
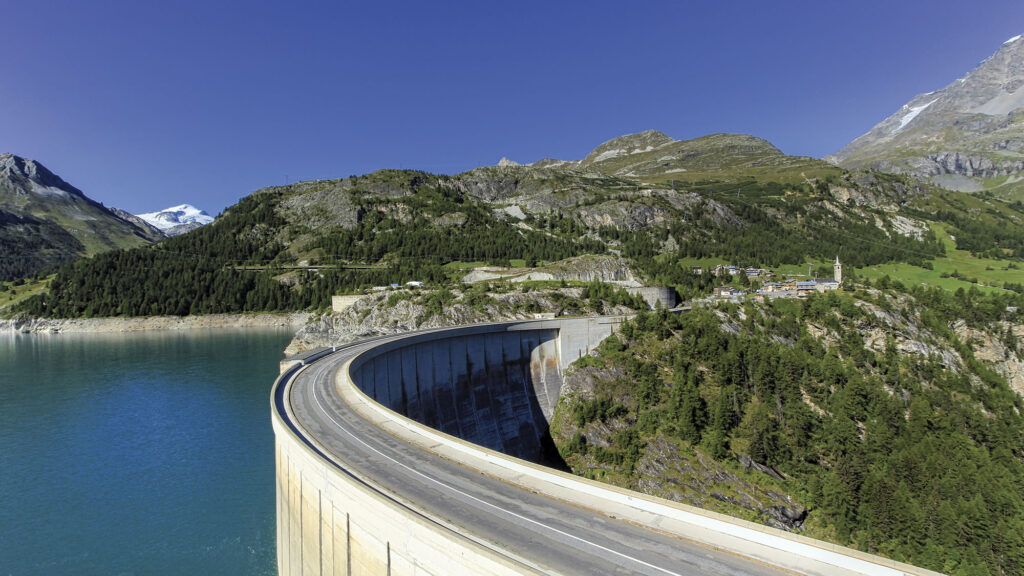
(330, 523)
(656, 296)
(342, 303)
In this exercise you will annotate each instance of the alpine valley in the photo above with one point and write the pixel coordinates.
(884, 415)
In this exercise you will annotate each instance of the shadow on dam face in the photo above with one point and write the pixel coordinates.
(494, 388)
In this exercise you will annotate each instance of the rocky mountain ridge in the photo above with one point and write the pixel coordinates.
(655, 157)
(402, 310)
(723, 197)
(967, 136)
(630, 184)
(45, 221)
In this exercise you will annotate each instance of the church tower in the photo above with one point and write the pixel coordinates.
(837, 269)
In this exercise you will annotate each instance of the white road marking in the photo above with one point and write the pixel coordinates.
(341, 426)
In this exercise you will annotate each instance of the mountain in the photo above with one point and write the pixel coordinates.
(968, 136)
(45, 222)
(177, 220)
(654, 157)
(655, 201)
(129, 217)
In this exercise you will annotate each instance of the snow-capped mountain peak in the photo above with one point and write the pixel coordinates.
(177, 219)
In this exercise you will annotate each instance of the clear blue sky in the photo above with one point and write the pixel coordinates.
(146, 104)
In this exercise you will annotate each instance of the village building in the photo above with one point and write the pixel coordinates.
(730, 270)
(805, 287)
(826, 285)
(729, 293)
(723, 270)
(755, 272)
(792, 288)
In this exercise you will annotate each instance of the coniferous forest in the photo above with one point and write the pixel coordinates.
(254, 258)
(913, 456)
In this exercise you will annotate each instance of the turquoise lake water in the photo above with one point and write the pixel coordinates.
(146, 453)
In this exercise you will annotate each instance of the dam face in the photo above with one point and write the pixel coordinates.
(495, 386)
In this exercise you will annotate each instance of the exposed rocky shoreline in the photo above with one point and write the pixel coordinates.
(139, 324)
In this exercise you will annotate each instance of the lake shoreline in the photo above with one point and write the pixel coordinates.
(147, 323)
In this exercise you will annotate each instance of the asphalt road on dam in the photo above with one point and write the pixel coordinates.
(549, 533)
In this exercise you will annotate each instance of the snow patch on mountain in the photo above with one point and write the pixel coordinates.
(51, 191)
(177, 219)
(609, 154)
(1012, 40)
(911, 115)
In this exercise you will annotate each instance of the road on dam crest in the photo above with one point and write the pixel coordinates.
(543, 534)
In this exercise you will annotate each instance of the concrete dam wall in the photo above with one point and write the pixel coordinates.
(363, 491)
(495, 385)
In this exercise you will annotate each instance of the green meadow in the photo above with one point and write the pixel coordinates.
(990, 274)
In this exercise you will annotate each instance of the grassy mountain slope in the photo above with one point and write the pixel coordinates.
(739, 200)
(45, 222)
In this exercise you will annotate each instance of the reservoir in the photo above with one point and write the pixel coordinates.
(142, 453)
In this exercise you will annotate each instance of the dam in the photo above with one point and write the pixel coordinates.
(497, 389)
(425, 453)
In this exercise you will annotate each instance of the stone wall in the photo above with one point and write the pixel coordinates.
(656, 296)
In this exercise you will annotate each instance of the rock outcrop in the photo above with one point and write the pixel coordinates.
(994, 351)
(396, 311)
